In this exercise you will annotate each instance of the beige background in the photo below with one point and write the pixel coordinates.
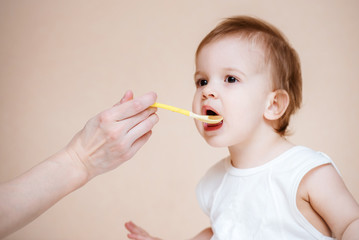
(61, 62)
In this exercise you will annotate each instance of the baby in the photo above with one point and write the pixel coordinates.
(267, 188)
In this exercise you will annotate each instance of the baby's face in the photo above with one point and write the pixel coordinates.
(231, 81)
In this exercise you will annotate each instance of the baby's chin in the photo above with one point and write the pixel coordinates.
(215, 142)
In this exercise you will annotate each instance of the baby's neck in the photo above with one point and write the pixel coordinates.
(259, 152)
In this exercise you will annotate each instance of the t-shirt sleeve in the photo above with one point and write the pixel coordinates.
(201, 198)
(208, 185)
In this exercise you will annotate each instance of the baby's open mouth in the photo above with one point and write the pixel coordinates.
(214, 126)
(211, 113)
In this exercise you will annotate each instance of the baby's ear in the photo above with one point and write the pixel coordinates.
(277, 104)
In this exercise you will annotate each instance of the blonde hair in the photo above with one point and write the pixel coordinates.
(282, 59)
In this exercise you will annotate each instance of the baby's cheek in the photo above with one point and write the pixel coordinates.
(199, 126)
(196, 106)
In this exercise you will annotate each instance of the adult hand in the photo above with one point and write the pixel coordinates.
(107, 140)
(114, 135)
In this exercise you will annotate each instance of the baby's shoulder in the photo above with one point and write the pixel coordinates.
(215, 172)
(214, 175)
(209, 183)
(301, 157)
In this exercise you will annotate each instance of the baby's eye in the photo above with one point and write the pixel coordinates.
(201, 82)
(231, 79)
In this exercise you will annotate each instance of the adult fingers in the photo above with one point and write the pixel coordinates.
(133, 107)
(127, 124)
(126, 97)
(127, 109)
(142, 127)
(137, 145)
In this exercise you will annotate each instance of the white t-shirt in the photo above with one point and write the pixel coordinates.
(260, 202)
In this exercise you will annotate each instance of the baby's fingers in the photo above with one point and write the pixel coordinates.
(134, 229)
(138, 233)
(138, 237)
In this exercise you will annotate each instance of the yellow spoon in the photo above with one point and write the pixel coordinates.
(203, 118)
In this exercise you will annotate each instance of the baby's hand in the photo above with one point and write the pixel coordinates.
(138, 233)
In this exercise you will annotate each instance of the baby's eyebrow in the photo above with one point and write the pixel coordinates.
(234, 70)
(197, 73)
(228, 69)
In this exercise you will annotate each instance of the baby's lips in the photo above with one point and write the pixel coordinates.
(205, 108)
(212, 127)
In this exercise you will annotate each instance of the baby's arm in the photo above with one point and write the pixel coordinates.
(330, 198)
(137, 233)
(206, 234)
(352, 230)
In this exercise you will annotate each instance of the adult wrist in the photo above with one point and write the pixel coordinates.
(75, 170)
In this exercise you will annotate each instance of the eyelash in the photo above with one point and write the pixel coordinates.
(233, 78)
(199, 82)
(202, 82)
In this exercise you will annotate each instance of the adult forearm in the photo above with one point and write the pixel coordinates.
(108, 139)
(29, 195)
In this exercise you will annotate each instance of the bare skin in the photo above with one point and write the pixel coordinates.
(228, 80)
(333, 216)
(107, 140)
(137, 233)
(328, 217)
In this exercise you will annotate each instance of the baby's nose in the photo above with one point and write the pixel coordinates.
(209, 92)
